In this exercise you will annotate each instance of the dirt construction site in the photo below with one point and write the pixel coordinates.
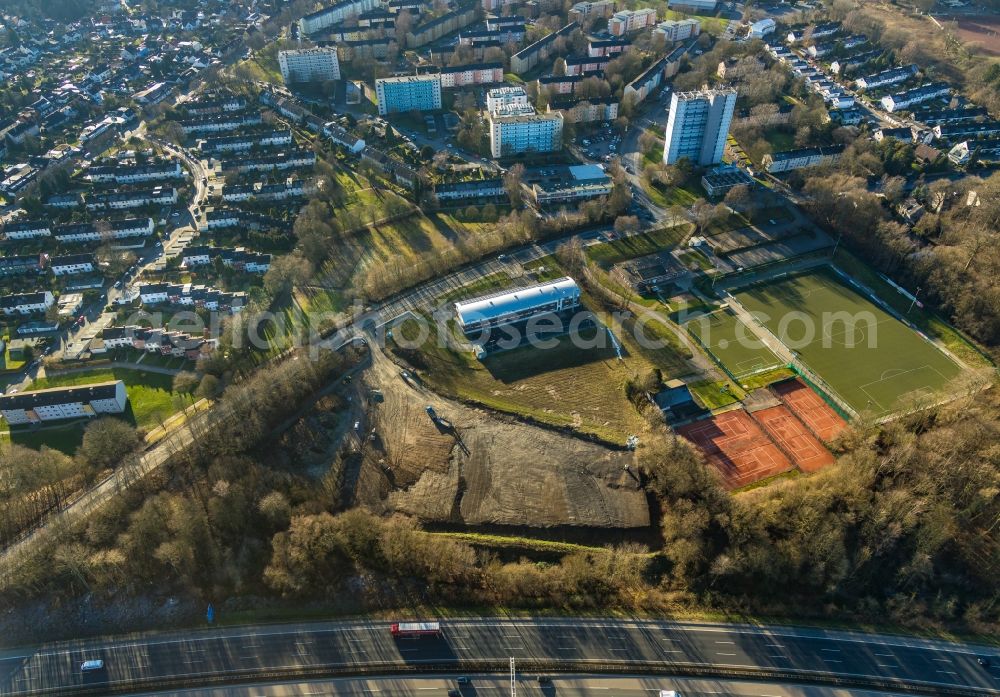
(442, 461)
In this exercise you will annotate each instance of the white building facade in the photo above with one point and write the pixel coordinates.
(309, 65)
(698, 125)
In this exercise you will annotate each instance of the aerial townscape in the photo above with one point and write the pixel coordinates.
(541, 346)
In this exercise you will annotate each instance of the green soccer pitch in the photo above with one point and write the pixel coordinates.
(732, 343)
(875, 363)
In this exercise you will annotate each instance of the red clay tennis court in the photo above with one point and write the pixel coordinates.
(810, 408)
(788, 432)
(737, 447)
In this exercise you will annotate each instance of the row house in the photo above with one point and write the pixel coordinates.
(858, 60)
(933, 117)
(239, 258)
(215, 105)
(399, 172)
(269, 163)
(893, 76)
(527, 58)
(21, 265)
(962, 131)
(512, 34)
(586, 110)
(72, 264)
(334, 14)
(135, 174)
(280, 191)
(64, 201)
(191, 295)
(242, 143)
(26, 303)
(798, 159)
(26, 230)
(343, 137)
(564, 84)
(817, 31)
(479, 189)
(167, 343)
(221, 123)
(223, 218)
(579, 65)
(918, 95)
(473, 74)
(121, 200)
(608, 47)
(59, 403)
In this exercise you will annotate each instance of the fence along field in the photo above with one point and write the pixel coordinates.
(732, 344)
(876, 366)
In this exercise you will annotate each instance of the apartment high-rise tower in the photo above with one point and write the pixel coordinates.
(698, 125)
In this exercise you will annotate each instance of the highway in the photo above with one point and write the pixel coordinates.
(492, 685)
(274, 652)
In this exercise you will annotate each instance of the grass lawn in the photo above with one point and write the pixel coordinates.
(714, 394)
(484, 285)
(732, 343)
(875, 363)
(671, 195)
(608, 253)
(151, 397)
(926, 320)
(565, 385)
(545, 269)
(8, 363)
(65, 438)
(779, 139)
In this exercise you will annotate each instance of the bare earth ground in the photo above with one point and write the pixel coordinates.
(982, 31)
(485, 469)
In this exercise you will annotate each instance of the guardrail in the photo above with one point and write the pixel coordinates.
(525, 665)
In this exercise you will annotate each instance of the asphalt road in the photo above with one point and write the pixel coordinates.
(493, 685)
(602, 644)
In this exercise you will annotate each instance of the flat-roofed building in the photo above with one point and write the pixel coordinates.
(408, 93)
(60, 403)
(518, 132)
(627, 21)
(678, 29)
(510, 307)
(504, 97)
(559, 185)
(309, 65)
(698, 125)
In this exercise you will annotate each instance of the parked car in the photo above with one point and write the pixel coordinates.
(92, 665)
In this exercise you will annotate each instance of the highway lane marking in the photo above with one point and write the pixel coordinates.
(725, 642)
(887, 665)
(672, 650)
(724, 654)
(133, 644)
(785, 657)
(947, 672)
(831, 650)
(777, 646)
(831, 660)
(886, 655)
(942, 660)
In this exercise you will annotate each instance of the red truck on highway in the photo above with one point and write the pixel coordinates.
(415, 629)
